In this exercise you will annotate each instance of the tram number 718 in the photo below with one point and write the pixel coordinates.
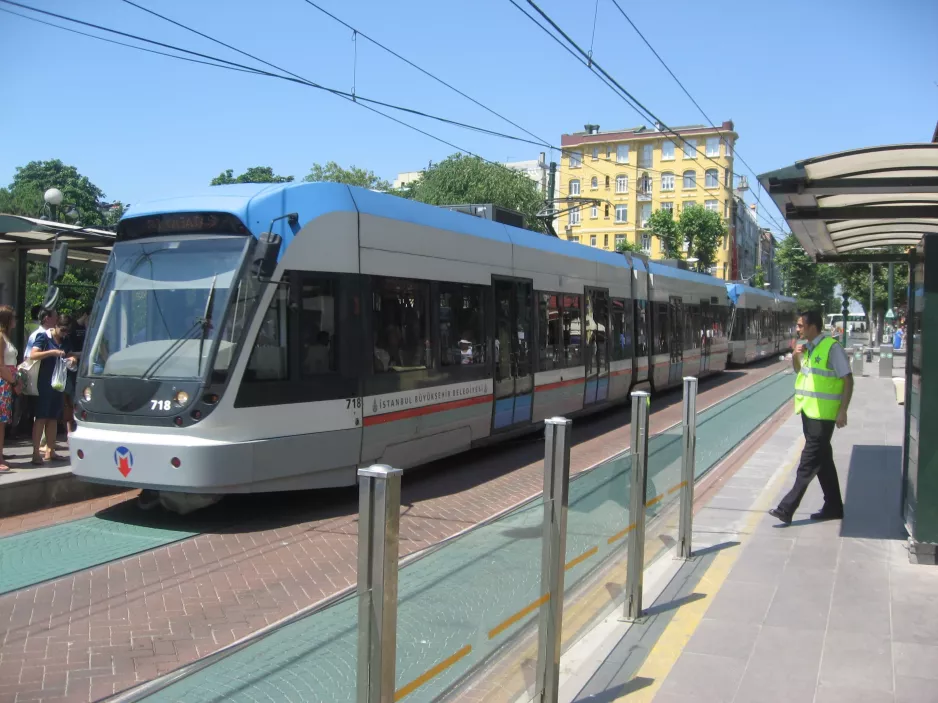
(351, 403)
(165, 405)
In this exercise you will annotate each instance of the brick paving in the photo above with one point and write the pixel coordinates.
(86, 636)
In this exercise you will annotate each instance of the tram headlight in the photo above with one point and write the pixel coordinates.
(181, 398)
(86, 394)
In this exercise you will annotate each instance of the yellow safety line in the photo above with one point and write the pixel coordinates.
(438, 669)
(583, 557)
(620, 535)
(654, 500)
(664, 654)
(677, 487)
(526, 610)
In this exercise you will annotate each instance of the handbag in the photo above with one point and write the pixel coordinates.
(59, 375)
(30, 374)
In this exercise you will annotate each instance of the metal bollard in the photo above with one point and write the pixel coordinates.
(553, 554)
(885, 360)
(379, 515)
(688, 462)
(639, 450)
(857, 364)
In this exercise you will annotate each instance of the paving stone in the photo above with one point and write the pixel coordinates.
(787, 649)
(916, 660)
(724, 638)
(849, 694)
(857, 660)
(911, 689)
(709, 679)
(775, 686)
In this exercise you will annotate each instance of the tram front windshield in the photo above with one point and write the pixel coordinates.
(160, 307)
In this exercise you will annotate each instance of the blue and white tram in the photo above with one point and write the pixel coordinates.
(277, 337)
(762, 323)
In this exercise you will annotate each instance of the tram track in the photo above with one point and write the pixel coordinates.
(148, 612)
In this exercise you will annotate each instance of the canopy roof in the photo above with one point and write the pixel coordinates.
(85, 245)
(860, 199)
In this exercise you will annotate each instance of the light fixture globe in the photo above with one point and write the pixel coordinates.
(53, 196)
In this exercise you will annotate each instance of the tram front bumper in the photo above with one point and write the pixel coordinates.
(160, 461)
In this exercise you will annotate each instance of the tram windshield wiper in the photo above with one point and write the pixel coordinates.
(172, 349)
(206, 321)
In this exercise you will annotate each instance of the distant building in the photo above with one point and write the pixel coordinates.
(767, 259)
(406, 178)
(746, 233)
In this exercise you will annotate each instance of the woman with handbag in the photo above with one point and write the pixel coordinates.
(8, 381)
(47, 349)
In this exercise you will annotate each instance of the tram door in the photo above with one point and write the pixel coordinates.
(676, 318)
(706, 335)
(514, 372)
(597, 346)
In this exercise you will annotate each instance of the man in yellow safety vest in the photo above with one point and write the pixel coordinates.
(823, 388)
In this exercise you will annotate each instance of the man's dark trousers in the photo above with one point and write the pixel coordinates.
(817, 459)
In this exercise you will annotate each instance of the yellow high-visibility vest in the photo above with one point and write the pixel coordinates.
(818, 391)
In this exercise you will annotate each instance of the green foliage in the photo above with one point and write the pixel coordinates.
(24, 195)
(255, 174)
(468, 179)
(77, 288)
(703, 230)
(353, 176)
(758, 278)
(811, 283)
(855, 282)
(662, 225)
(626, 245)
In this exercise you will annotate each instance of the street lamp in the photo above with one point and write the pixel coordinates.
(53, 198)
(692, 260)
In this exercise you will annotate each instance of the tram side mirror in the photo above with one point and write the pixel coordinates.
(265, 255)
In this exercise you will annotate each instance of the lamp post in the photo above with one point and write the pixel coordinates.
(53, 198)
(693, 260)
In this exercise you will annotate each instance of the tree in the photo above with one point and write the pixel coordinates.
(353, 176)
(255, 174)
(758, 278)
(703, 230)
(25, 194)
(662, 225)
(468, 179)
(854, 280)
(811, 283)
(77, 288)
(626, 245)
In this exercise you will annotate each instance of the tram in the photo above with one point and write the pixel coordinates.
(762, 323)
(277, 337)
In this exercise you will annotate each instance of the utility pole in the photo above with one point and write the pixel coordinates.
(549, 201)
(890, 313)
(871, 305)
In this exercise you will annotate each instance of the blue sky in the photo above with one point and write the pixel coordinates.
(799, 78)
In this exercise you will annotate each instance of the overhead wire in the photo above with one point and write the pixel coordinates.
(691, 98)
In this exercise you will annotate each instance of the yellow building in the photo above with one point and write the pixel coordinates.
(637, 171)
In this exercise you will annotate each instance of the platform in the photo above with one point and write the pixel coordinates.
(816, 612)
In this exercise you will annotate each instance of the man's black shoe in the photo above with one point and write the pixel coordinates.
(828, 515)
(780, 516)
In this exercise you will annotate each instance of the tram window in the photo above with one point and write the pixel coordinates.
(270, 357)
(400, 325)
(754, 324)
(641, 327)
(692, 327)
(572, 329)
(550, 332)
(661, 328)
(741, 325)
(317, 325)
(621, 329)
(597, 325)
(462, 328)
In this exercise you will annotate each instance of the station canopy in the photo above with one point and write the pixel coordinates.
(86, 246)
(862, 199)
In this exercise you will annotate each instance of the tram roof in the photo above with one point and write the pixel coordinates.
(842, 203)
(86, 246)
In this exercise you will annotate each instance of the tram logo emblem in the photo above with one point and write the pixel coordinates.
(124, 460)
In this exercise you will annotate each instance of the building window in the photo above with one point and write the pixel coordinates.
(711, 178)
(622, 153)
(605, 241)
(667, 181)
(607, 182)
(576, 159)
(645, 184)
(687, 203)
(690, 179)
(620, 239)
(622, 213)
(575, 238)
(575, 216)
(726, 209)
(712, 205)
(662, 247)
(645, 214)
(646, 243)
(462, 325)
(729, 147)
(574, 188)
(594, 183)
(622, 183)
(595, 153)
(592, 240)
(690, 148)
(713, 146)
(668, 205)
(401, 325)
(606, 211)
(646, 155)
(594, 212)
(667, 150)
(727, 174)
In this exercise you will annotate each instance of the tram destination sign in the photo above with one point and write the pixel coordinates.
(180, 223)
